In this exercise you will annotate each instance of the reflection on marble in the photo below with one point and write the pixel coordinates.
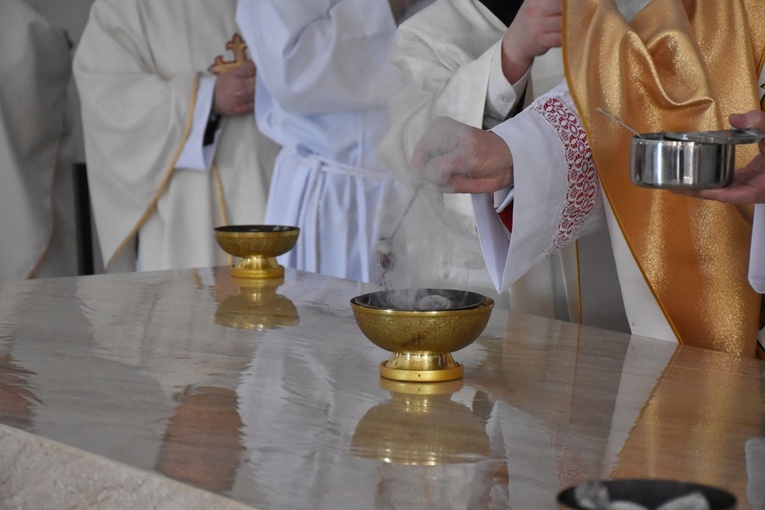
(257, 305)
(129, 391)
(42, 474)
(421, 425)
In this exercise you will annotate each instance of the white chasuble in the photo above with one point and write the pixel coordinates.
(138, 68)
(36, 155)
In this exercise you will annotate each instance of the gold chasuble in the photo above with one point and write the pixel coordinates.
(678, 65)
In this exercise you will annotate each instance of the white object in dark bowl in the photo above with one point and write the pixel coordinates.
(650, 493)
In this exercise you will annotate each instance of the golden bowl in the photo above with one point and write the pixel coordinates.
(257, 247)
(421, 328)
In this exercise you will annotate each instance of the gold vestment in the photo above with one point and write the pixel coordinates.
(678, 65)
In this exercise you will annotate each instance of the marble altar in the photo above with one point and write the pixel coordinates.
(180, 389)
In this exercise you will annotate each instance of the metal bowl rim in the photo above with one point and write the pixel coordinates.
(395, 312)
(480, 300)
(660, 138)
(255, 230)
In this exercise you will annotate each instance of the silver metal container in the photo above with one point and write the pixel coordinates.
(662, 163)
(691, 160)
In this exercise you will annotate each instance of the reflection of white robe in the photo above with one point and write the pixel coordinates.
(189, 302)
(190, 297)
(138, 68)
(60, 400)
(37, 228)
(287, 387)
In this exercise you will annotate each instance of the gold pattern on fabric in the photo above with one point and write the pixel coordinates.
(676, 66)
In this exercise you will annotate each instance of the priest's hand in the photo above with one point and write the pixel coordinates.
(748, 186)
(235, 91)
(537, 27)
(458, 158)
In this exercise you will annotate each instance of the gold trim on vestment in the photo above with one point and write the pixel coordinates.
(53, 216)
(54, 220)
(679, 65)
(222, 208)
(222, 211)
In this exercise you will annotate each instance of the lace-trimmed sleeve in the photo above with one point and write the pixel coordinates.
(582, 195)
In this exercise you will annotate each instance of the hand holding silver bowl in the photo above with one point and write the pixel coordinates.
(685, 160)
(690, 161)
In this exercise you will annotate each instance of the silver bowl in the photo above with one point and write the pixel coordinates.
(660, 162)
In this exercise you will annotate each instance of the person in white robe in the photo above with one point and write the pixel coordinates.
(462, 60)
(36, 147)
(171, 144)
(544, 156)
(323, 85)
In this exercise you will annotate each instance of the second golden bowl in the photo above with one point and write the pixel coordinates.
(257, 247)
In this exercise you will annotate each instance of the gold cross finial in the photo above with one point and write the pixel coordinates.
(236, 45)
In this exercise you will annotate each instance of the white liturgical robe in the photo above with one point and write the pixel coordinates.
(449, 56)
(142, 73)
(322, 93)
(36, 150)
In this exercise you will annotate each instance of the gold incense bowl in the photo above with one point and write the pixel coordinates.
(421, 328)
(257, 247)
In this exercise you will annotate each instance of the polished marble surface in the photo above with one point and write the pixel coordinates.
(180, 389)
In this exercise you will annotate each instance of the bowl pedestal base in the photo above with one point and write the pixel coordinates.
(421, 367)
(257, 266)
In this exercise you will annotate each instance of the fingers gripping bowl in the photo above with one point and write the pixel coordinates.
(690, 161)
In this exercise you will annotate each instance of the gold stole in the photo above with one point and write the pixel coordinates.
(679, 65)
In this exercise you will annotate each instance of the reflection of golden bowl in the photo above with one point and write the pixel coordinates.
(257, 246)
(422, 426)
(257, 306)
(421, 337)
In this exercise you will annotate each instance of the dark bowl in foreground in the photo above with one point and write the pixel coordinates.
(653, 493)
